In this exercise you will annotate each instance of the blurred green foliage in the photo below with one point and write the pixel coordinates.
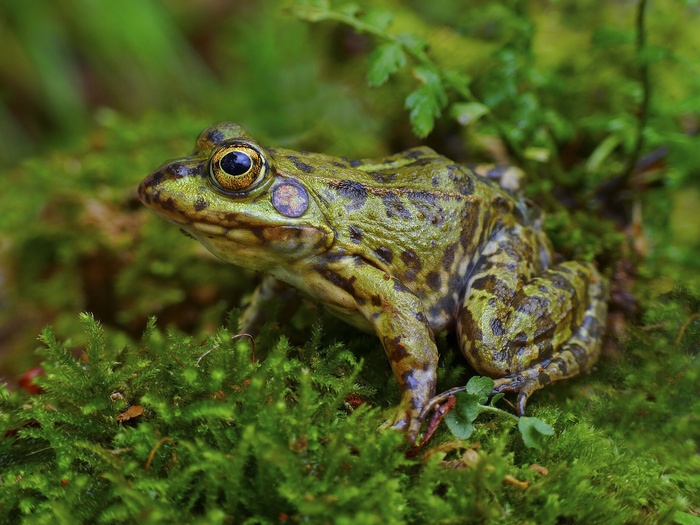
(94, 95)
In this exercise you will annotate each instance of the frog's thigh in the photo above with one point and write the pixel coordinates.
(535, 332)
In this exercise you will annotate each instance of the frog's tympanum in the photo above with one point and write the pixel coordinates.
(404, 246)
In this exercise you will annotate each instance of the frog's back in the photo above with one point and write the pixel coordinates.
(416, 215)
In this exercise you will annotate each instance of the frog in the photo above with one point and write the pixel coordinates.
(404, 247)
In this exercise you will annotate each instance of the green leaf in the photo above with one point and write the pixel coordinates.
(532, 429)
(537, 154)
(481, 387)
(683, 518)
(459, 419)
(456, 80)
(426, 102)
(495, 399)
(602, 152)
(379, 18)
(468, 112)
(412, 42)
(349, 9)
(384, 61)
(312, 10)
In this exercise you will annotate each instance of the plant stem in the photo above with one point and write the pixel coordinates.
(646, 95)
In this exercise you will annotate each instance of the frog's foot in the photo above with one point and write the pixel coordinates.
(572, 359)
(405, 420)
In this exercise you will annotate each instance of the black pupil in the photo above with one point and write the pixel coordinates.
(235, 163)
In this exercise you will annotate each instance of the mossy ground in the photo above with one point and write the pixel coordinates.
(172, 420)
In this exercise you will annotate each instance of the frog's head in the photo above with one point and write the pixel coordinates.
(229, 195)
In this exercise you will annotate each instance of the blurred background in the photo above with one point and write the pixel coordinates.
(94, 95)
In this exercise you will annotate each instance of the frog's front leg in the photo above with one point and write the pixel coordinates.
(527, 330)
(268, 290)
(396, 315)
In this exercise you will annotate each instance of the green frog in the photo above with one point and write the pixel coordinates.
(403, 246)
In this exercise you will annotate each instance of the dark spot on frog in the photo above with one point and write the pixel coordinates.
(494, 286)
(169, 204)
(376, 300)
(383, 177)
(177, 170)
(470, 330)
(355, 234)
(591, 324)
(497, 172)
(433, 214)
(334, 256)
(339, 164)
(353, 191)
(433, 280)
(355, 163)
(560, 282)
(155, 178)
(449, 257)
(200, 204)
(420, 196)
(545, 349)
(300, 165)
(463, 182)
(385, 254)
(497, 327)
(470, 224)
(413, 264)
(395, 349)
(344, 283)
(215, 136)
(436, 182)
(580, 354)
(415, 153)
(516, 344)
(394, 207)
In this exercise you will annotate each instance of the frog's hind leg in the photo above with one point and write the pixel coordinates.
(577, 355)
(526, 326)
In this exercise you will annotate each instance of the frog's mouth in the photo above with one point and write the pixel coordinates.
(222, 228)
(251, 234)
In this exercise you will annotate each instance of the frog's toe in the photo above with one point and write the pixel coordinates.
(524, 386)
(526, 390)
(404, 421)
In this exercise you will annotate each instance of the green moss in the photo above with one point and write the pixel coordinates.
(217, 436)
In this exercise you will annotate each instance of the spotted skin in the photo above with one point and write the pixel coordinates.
(404, 246)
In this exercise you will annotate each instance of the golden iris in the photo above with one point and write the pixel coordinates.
(236, 166)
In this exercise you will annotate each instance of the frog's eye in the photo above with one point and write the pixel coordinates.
(236, 166)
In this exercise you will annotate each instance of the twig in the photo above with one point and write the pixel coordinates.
(684, 327)
(155, 449)
(646, 96)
